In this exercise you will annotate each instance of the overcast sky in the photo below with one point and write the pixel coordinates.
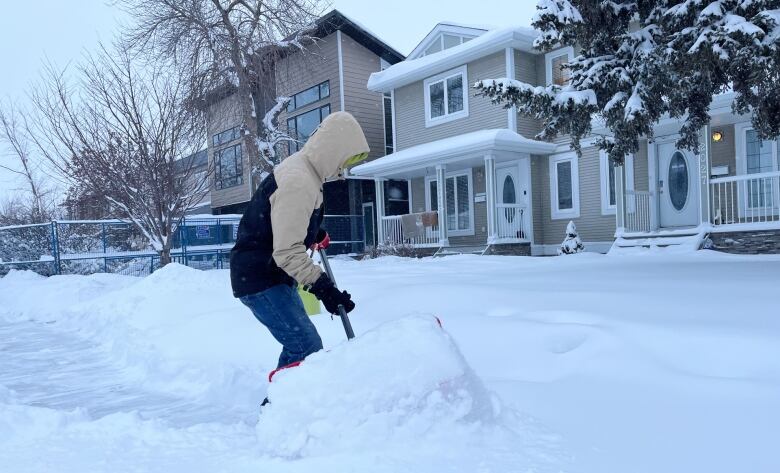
(62, 30)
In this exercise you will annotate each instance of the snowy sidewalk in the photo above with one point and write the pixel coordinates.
(48, 368)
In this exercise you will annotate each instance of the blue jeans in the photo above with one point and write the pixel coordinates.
(281, 310)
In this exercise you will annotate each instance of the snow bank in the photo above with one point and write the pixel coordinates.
(404, 379)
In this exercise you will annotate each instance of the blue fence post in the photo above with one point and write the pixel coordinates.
(219, 242)
(105, 263)
(183, 238)
(55, 247)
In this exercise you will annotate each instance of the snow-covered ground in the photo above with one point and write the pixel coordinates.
(583, 363)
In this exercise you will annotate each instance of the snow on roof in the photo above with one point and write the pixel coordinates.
(519, 37)
(426, 154)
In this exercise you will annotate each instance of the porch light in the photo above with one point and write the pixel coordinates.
(717, 136)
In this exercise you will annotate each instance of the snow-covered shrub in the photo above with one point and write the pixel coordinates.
(572, 244)
(403, 250)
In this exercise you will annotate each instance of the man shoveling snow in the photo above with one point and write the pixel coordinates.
(281, 222)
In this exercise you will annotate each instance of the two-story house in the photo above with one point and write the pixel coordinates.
(329, 76)
(495, 189)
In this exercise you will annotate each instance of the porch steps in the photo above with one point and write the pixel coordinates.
(678, 240)
(462, 250)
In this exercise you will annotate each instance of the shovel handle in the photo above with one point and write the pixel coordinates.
(342, 313)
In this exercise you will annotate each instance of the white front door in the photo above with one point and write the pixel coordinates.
(511, 203)
(678, 187)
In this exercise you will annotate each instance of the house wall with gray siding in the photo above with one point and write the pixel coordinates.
(724, 152)
(410, 107)
(223, 115)
(591, 225)
(365, 105)
(527, 70)
(640, 167)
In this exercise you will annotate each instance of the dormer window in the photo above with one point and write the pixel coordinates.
(446, 41)
(446, 97)
(557, 73)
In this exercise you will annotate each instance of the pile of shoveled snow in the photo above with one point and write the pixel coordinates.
(405, 379)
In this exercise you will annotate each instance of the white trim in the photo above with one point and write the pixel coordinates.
(409, 194)
(447, 117)
(548, 58)
(555, 212)
(454, 174)
(511, 112)
(341, 69)
(652, 184)
(392, 112)
(628, 166)
(436, 33)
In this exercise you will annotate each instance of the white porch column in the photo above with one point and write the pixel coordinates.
(490, 194)
(379, 185)
(441, 199)
(704, 176)
(620, 199)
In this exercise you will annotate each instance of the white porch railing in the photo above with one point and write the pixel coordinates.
(746, 199)
(393, 232)
(637, 207)
(511, 222)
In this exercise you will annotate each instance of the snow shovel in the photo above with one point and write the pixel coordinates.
(342, 312)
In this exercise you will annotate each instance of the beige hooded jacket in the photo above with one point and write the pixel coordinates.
(299, 180)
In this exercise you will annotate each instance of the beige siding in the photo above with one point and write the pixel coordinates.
(410, 108)
(418, 194)
(591, 225)
(365, 105)
(541, 200)
(222, 116)
(724, 152)
(526, 70)
(640, 167)
(299, 72)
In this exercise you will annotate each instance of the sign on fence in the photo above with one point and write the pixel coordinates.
(202, 232)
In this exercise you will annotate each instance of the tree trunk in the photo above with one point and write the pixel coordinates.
(165, 256)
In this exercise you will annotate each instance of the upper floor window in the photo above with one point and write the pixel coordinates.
(302, 126)
(226, 136)
(556, 61)
(310, 95)
(446, 41)
(229, 169)
(446, 97)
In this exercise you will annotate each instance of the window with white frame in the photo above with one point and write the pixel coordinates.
(446, 97)
(758, 156)
(557, 73)
(458, 197)
(608, 181)
(564, 186)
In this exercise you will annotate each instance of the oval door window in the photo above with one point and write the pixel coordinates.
(678, 180)
(510, 197)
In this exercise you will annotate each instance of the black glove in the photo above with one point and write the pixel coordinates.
(329, 294)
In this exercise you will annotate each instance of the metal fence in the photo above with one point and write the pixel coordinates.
(116, 246)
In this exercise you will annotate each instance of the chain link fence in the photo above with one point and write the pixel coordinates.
(115, 246)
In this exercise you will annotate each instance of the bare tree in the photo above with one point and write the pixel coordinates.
(121, 132)
(230, 44)
(36, 204)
